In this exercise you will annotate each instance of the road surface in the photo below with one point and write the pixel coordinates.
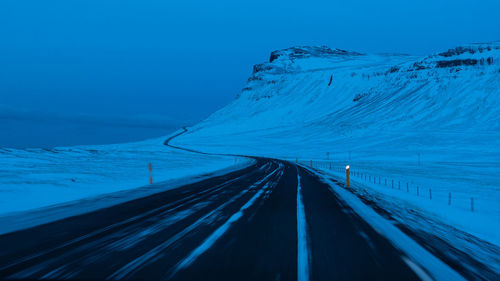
(270, 221)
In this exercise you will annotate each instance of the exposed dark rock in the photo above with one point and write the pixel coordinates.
(419, 66)
(261, 67)
(451, 63)
(457, 51)
(308, 51)
(392, 70)
(274, 56)
(254, 78)
(360, 96)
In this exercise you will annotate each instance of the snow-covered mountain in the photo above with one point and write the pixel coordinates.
(453, 90)
(432, 121)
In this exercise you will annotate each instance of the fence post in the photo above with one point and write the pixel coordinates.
(407, 189)
(378, 179)
(347, 175)
(385, 182)
(399, 185)
(150, 167)
(472, 204)
(449, 198)
(430, 194)
(392, 184)
(417, 190)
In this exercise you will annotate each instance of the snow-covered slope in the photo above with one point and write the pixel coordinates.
(39, 178)
(432, 121)
(454, 90)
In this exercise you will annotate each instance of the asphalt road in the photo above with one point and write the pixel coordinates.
(271, 221)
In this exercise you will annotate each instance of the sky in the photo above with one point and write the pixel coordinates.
(164, 64)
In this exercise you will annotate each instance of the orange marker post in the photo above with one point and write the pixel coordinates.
(235, 159)
(311, 163)
(347, 176)
(150, 173)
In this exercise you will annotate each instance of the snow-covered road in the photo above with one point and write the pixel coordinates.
(273, 220)
(239, 226)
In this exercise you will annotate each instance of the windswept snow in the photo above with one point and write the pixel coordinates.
(36, 178)
(431, 122)
(438, 269)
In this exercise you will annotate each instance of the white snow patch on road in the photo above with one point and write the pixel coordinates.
(395, 116)
(210, 241)
(417, 269)
(141, 261)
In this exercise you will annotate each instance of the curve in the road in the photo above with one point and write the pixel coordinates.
(270, 221)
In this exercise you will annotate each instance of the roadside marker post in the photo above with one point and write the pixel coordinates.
(311, 163)
(235, 159)
(150, 173)
(348, 184)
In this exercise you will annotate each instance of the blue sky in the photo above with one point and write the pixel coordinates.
(142, 60)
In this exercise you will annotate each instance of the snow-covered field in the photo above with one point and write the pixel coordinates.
(431, 122)
(36, 178)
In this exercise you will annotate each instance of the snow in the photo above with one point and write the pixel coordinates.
(458, 213)
(31, 179)
(431, 122)
(416, 254)
(448, 117)
(210, 241)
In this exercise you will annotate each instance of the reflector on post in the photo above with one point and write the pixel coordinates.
(347, 176)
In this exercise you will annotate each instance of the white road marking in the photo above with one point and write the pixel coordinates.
(146, 257)
(417, 269)
(102, 230)
(302, 250)
(210, 241)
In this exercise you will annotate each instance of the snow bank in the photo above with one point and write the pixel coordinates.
(418, 256)
(36, 178)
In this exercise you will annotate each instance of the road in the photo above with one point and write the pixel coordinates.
(273, 220)
(270, 221)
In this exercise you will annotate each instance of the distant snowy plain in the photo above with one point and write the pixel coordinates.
(36, 178)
